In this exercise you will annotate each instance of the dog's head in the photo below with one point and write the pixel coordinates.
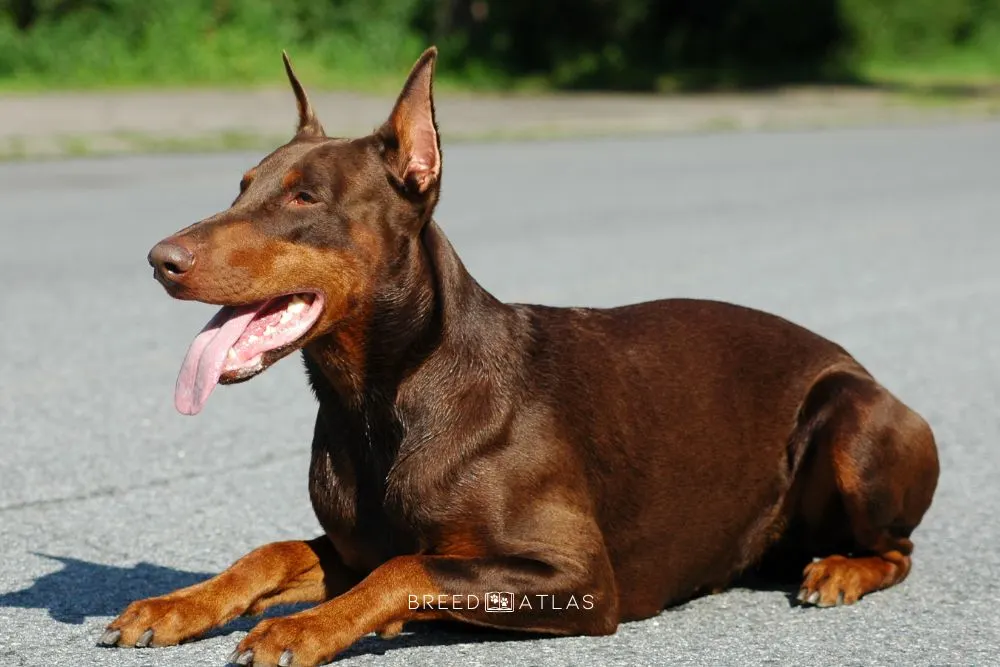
(319, 226)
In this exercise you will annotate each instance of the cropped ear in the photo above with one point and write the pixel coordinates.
(414, 128)
(309, 125)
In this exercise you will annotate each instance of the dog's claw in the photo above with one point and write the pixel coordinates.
(286, 659)
(245, 658)
(231, 660)
(840, 598)
(802, 595)
(814, 598)
(144, 640)
(109, 638)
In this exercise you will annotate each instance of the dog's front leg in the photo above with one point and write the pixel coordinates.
(278, 573)
(538, 596)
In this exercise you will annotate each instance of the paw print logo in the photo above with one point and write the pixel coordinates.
(499, 601)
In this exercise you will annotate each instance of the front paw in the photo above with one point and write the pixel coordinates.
(301, 640)
(161, 621)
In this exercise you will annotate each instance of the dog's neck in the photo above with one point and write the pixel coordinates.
(433, 311)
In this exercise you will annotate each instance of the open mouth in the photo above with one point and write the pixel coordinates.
(232, 345)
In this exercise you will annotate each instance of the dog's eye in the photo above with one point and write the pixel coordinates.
(304, 198)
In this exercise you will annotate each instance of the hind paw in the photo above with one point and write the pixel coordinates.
(838, 580)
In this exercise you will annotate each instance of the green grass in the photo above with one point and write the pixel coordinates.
(189, 44)
(219, 71)
(369, 45)
(965, 71)
(267, 72)
(954, 70)
(364, 45)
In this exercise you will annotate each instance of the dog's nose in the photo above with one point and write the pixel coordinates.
(170, 260)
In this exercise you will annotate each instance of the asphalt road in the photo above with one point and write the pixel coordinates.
(886, 240)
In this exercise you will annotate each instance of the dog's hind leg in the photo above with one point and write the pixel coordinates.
(278, 573)
(863, 488)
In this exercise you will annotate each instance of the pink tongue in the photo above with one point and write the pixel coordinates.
(207, 355)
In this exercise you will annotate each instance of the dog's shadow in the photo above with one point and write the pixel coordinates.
(787, 586)
(81, 589)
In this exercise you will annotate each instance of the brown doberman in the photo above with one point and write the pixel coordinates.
(572, 467)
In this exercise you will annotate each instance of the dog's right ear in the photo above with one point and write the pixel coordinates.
(309, 125)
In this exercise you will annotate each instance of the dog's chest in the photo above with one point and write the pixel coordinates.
(352, 510)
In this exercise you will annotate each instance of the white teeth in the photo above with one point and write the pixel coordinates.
(269, 331)
(297, 305)
(232, 354)
(285, 317)
(252, 339)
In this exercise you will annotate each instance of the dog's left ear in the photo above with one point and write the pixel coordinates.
(309, 125)
(413, 129)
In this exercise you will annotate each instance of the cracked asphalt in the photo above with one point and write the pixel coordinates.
(884, 239)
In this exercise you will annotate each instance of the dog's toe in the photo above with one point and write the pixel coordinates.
(826, 601)
(286, 659)
(245, 658)
(144, 639)
(109, 638)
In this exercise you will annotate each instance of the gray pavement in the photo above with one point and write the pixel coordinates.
(886, 240)
(75, 124)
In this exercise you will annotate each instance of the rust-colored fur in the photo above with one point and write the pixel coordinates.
(626, 459)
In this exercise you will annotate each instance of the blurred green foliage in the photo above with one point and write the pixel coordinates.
(618, 44)
(107, 42)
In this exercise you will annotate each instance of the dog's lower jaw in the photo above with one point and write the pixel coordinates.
(242, 375)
